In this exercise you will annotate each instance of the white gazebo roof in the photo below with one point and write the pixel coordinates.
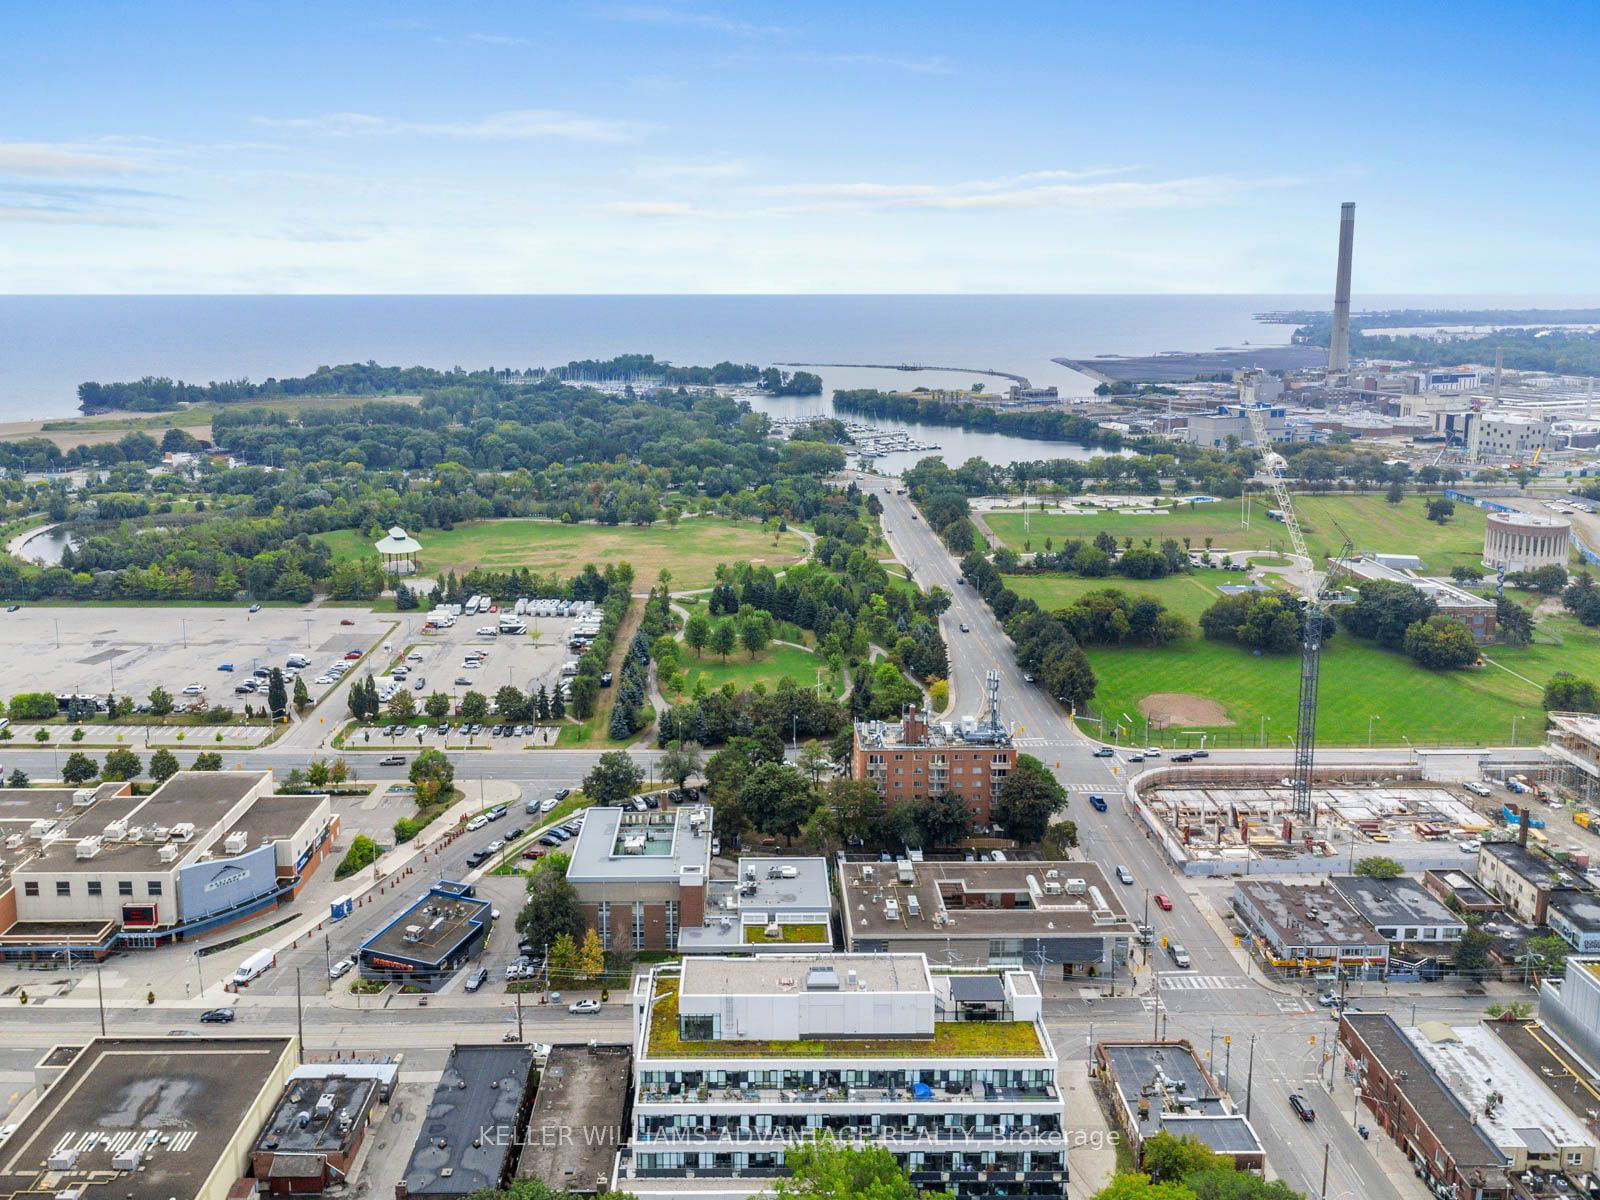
(397, 542)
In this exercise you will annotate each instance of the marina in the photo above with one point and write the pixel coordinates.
(869, 441)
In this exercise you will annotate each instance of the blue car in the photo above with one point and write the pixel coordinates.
(225, 667)
(1098, 803)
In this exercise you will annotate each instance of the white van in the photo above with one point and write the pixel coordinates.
(253, 967)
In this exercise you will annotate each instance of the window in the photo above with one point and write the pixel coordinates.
(94, 887)
(124, 887)
(603, 919)
(63, 887)
(153, 888)
(638, 924)
(31, 888)
(672, 924)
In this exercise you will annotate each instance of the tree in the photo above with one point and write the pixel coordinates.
(402, 706)
(208, 760)
(613, 778)
(79, 768)
(943, 820)
(163, 765)
(1441, 510)
(511, 704)
(161, 704)
(432, 774)
(723, 639)
(680, 760)
(552, 909)
(830, 1170)
(755, 633)
(277, 694)
(591, 956)
(1565, 692)
(302, 697)
(1226, 1183)
(1130, 1185)
(563, 956)
(475, 707)
(1548, 954)
(1027, 800)
(1059, 838)
(120, 765)
(1441, 643)
(1395, 492)
(363, 852)
(776, 799)
(437, 706)
(1513, 624)
(697, 633)
(1466, 576)
(1163, 1156)
(17, 779)
(586, 686)
(1472, 951)
(1377, 866)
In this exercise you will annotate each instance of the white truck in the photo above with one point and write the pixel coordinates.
(254, 967)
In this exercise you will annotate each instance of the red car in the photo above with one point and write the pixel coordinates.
(347, 621)
(1162, 902)
(353, 654)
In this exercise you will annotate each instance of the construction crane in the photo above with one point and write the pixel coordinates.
(1316, 602)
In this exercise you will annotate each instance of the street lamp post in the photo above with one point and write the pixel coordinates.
(1249, 1076)
(1514, 721)
(1261, 738)
(1370, 720)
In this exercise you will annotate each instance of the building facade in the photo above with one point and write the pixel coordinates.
(1161, 1087)
(1507, 437)
(1521, 541)
(912, 760)
(642, 876)
(1521, 879)
(737, 1059)
(1308, 927)
(433, 939)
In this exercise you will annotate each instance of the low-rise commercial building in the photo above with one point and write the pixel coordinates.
(1410, 1102)
(102, 868)
(470, 1139)
(773, 905)
(313, 1136)
(579, 1116)
(642, 876)
(1476, 613)
(1521, 879)
(1308, 927)
(437, 936)
(1401, 910)
(1461, 892)
(1161, 1087)
(737, 1059)
(1062, 917)
(912, 760)
(1574, 914)
(146, 1118)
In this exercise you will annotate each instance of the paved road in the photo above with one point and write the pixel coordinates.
(1215, 995)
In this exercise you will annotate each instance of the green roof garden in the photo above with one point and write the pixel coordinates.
(757, 934)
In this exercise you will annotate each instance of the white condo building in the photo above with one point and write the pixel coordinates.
(738, 1059)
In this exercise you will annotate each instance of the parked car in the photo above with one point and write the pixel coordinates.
(255, 608)
(195, 689)
(563, 793)
(217, 1016)
(584, 1006)
(548, 805)
(346, 621)
(224, 666)
(352, 655)
(494, 814)
(1302, 1108)
(549, 840)
(513, 833)
(477, 823)
(477, 858)
(477, 979)
(1163, 901)
(343, 967)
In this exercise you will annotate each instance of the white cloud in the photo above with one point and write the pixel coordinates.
(933, 64)
(521, 124)
(482, 39)
(47, 160)
(1087, 190)
(652, 208)
(14, 213)
(649, 14)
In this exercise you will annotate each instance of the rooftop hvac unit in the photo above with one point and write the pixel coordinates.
(127, 1160)
(236, 841)
(183, 831)
(167, 853)
(41, 828)
(88, 847)
(1077, 887)
(1052, 887)
(913, 907)
(412, 933)
(82, 797)
(325, 1104)
(868, 873)
(72, 1193)
(907, 872)
(789, 872)
(773, 931)
(891, 909)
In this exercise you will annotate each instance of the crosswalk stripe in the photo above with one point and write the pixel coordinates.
(1203, 983)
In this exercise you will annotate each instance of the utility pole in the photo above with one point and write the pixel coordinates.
(1249, 1076)
(1324, 1192)
(299, 1018)
(1227, 1058)
(519, 1016)
(1155, 1010)
(327, 955)
(100, 995)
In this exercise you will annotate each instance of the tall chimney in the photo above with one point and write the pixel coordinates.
(1339, 344)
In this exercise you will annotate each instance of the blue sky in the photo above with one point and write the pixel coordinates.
(819, 147)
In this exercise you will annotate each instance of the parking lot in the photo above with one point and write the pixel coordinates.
(129, 651)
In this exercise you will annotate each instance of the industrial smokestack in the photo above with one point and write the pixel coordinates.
(1339, 344)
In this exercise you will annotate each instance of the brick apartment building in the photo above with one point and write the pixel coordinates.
(641, 876)
(912, 760)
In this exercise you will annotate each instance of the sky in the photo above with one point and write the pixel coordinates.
(871, 146)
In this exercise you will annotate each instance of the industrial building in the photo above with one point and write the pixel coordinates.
(311, 1140)
(1507, 437)
(155, 1118)
(1475, 612)
(1520, 541)
(1064, 917)
(103, 868)
(913, 759)
(579, 1118)
(437, 936)
(1309, 927)
(1406, 1098)
(1402, 910)
(470, 1139)
(642, 876)
(771, 905)
(736, 1058)
(1230, 424)
(1521, 879)
(1161, 1087)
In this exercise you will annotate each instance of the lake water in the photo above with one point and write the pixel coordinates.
(49, 344)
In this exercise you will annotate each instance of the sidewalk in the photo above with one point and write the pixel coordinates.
(1389, 1157)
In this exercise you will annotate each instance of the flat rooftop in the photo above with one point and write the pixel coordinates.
(762, 885)
(1307, 914)
(1558, 1069)
(1466, 889)
(788, 974)
(350, 1095)
(1182, 1100)
(1401, 901)
(965, 900)
(577, 1122)
(272, 819)
(182, 1099)
(892, 735)
(470, 1132)
(1538, 871)
(1579, 907)
(442, 922)
(618, 844)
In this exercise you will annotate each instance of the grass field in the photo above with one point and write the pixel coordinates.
(1370, 521)
(1190, 595)
(777, 662)
(691, 550)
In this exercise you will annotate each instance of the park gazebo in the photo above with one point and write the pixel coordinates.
(398, 551)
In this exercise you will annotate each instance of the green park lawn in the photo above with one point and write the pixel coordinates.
(690, 550)
(1188, 594)
(771, 665)
(1370, 521)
